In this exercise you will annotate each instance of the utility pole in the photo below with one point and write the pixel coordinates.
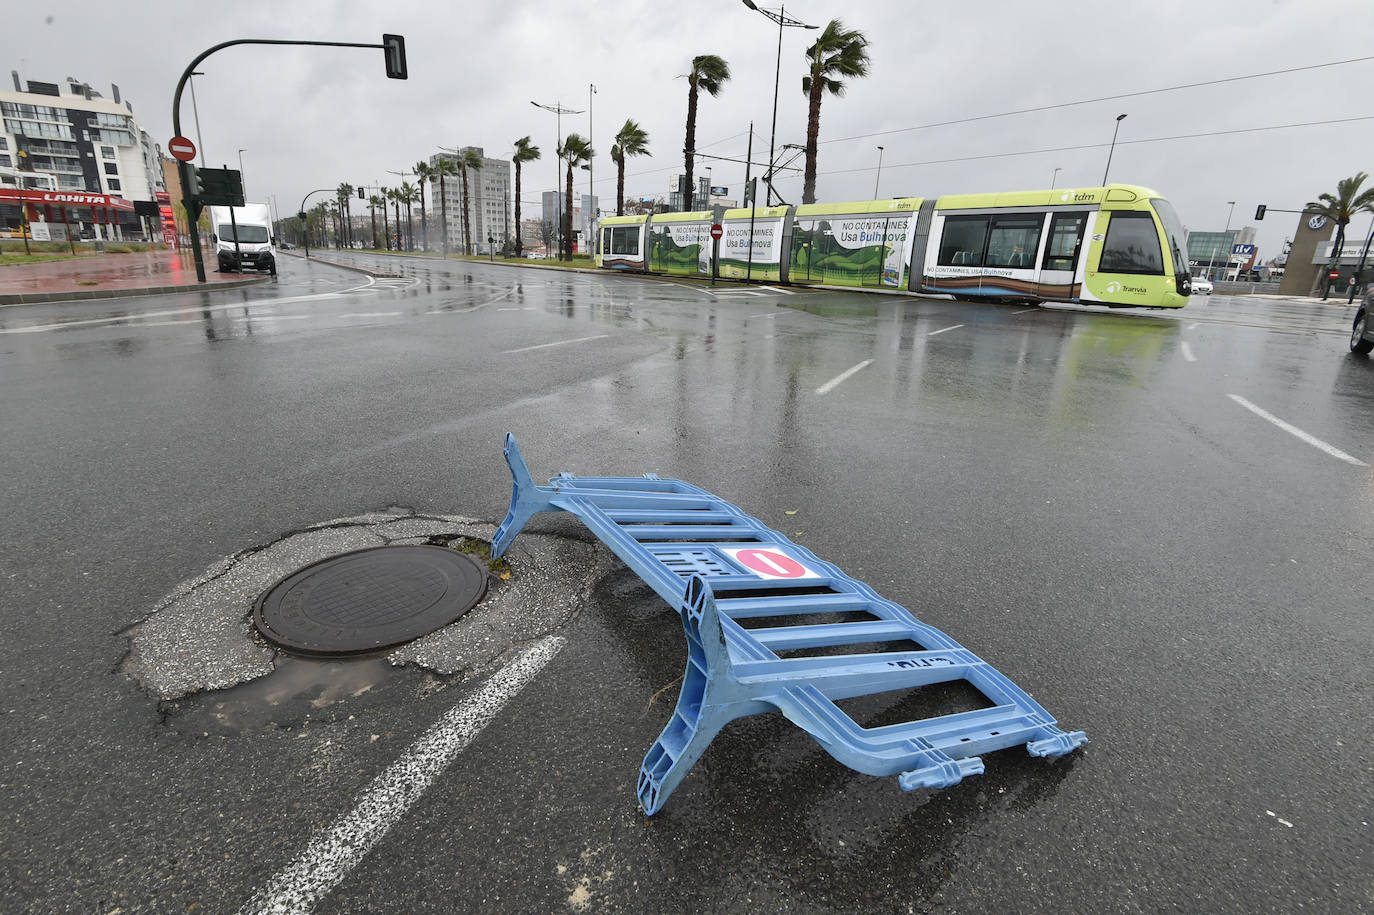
(558, 110)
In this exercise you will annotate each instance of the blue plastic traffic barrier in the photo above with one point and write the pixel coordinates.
(718, 567)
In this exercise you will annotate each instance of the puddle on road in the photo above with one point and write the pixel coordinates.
(299, 691)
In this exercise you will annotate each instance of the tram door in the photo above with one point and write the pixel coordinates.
(1061, 256)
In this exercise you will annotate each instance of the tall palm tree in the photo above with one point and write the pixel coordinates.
(346, 205)
(384, 197)
(1341, 207)
(525, 151)
(709, 73)
(423, 173)
(443, 167)
(838, 51)
(631, 140)
(408, 197)
(576, 152)
(373, 202)
(468, 159)
(395, 195)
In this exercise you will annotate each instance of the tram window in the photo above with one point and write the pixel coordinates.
(961, 244)
(1132, 245)
(1066, 234)
(625, 241)
(606, 241)
(1013, 241)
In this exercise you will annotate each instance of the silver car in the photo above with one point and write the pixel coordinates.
(1362, 334)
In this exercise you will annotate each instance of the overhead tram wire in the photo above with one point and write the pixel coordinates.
(1033, 152)
(1105, 98)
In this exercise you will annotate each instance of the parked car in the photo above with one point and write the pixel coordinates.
(1202, 286)
(1362, 333)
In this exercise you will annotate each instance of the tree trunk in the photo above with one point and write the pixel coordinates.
(567, 217)
(620, 186)
(519, 237)
(813, 129)
(467, 226)
(386, 226)
(374, 228)
(691, 143)
(424, 226)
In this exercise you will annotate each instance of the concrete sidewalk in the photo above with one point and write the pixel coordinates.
(108, 276)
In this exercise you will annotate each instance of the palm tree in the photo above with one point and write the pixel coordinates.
(373, 202)
(709, 72)
(576, 152)
(382, 199)
(1341, 207)
(443, 167)
(346, 205)
(632, 140)
(395, 195)
(525, 151)
(838, 51)
(468, 159)
(423, 173)
(409, 196)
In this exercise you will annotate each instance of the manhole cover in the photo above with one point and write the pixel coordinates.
(369, 599)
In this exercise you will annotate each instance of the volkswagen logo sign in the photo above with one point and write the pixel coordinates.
(1316, 223)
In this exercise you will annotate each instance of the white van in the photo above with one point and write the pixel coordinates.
(245, 242)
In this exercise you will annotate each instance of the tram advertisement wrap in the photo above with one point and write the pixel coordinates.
(756, 257)
(682, 248)
(850, 251)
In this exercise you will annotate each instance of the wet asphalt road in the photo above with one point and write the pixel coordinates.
(1071, 493)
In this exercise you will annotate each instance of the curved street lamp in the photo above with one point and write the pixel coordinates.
(780, 17)
(1119, 119)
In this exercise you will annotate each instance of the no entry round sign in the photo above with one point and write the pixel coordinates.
(766, 562)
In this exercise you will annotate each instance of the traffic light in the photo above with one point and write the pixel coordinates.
(362, 193)
(394, 47)
(1259, 212)
(193, 188)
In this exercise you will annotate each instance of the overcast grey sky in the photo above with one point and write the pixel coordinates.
(313, 117)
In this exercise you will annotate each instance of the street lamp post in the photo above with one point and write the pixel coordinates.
(1055, 177)
(879, 175)
(558, 110)
(1119, 119)
(241, 181)
(1211, 255)
(780, 17)
(200, 144)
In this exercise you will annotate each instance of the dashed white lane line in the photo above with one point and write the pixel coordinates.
(843, 376)
(1193, 326)
(1187, 351)
(763, 314)
(1294, 430)
(1024, 310)
(331, 855)
(526, 349)
(371, 314)
(943, 329)
(266, 318)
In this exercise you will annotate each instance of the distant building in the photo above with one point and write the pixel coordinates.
(78, 161)
(489, 192)
(1213, 251)
(584, 214)
(700, 198)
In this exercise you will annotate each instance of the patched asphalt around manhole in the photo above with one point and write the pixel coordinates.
(369, 599)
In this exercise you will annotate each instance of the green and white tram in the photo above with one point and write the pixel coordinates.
(1118, 245)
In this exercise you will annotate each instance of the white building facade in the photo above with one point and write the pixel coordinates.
(489, 203)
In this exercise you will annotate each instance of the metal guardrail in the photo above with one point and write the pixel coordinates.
(722, 569)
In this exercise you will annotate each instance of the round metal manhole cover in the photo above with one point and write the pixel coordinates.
(369, 599)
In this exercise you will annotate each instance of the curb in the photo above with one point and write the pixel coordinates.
(32, 298)
(363, 270)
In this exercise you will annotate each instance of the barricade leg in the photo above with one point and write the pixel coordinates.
(526, 498)
(706, 703)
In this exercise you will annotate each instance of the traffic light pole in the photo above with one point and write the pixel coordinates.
(305, 218)
(393, 45)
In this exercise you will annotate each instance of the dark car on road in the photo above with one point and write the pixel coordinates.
(1362, 333)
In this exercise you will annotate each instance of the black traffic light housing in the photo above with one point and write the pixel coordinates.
(1259, 212)
(394, 47)
(362, 193)
(193, 188)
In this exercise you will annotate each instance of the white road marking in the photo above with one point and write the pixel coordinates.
(369, 314)
(763, 314)
(1193, 326)
(1294, 430)
(271, 318)
(943, 329)
(779, 289)
(1187, 351)
(843, 376)
(693, 288)
(330, 856)
(1024, 310)
(188, 309)
(526, 349)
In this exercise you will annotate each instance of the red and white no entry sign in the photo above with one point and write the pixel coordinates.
(769, 563)
(182, 148)
(717, 231)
